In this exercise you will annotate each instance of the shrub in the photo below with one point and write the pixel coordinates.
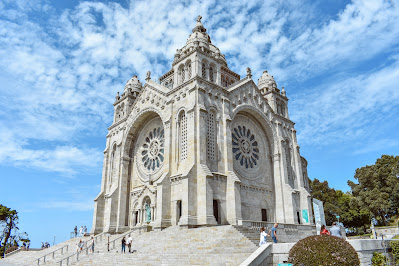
(378, 259)
(395, 248)
(323, 250)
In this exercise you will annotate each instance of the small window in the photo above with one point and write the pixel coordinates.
(264, 215)
(211, 74)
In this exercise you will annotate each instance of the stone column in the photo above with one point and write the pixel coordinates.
(233, 189)
(218, 78)
(185, 73)
(99, 202)
(278, 190)
(121, 213)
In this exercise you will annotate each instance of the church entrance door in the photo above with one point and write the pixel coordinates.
(216, 211)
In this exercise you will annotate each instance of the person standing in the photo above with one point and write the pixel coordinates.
(78, 246)
(76, 230)
(129, 243)
(123, 245)
(335, 230)
(80, 231)
(263, 236)
(323, 230)
(84, 230)
(273, 233)
(92, 245)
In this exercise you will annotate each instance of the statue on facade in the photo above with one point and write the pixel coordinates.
(148, 211)
(249, 73)
(148, 76)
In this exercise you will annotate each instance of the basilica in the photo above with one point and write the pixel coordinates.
(201, 146)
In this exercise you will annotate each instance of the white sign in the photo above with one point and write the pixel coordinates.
(319, 212)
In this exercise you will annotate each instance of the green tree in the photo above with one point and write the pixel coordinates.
(322, 191)
(9, 221)
(377, 190)
(336, 202)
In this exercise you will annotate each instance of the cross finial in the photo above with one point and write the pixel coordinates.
(199, 18)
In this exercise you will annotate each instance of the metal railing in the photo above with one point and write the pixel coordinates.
(53, 253)
(12, 252)
(85, 249)
(125, 234)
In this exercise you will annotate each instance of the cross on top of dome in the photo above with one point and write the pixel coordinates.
(199, 27)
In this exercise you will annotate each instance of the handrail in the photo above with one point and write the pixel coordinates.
(128, 232)
(53, 252)
(86, 248)
(12, 252)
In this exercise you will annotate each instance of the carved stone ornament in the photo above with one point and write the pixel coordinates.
(251, 149)
(149, 151)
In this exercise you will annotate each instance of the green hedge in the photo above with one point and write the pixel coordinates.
(395, 248)
(378, 259)
(323, 250)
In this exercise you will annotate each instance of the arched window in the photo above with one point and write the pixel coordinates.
(183, 135)
(211, 74)
(189, 70)
(203, 71)
(183, 75)
(112, 168)
(211, 136)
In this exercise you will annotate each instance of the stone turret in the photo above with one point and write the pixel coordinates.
(124, 103)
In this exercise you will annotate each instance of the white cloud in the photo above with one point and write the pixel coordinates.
(348, 109)
(59, 74)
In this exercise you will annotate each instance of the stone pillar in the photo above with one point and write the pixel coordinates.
(122, 211)
(218, 76)
(233, 188)
(185, 73)
(99, 202)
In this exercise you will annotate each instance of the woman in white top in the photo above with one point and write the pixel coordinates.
(263, 236)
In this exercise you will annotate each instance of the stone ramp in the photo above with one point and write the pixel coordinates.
(219, 245)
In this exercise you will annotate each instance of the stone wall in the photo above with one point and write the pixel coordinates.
(273, 254)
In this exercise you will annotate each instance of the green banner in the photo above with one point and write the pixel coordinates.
(305, 216)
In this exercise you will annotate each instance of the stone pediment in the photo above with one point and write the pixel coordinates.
(245, 92)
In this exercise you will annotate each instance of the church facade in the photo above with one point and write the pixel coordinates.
(200, 147)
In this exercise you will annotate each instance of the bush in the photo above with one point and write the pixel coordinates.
(378, 259)
(323, 250)
(395, 248)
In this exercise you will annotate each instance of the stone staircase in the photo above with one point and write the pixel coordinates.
(251, 234)
(218, 245)
(30, 257)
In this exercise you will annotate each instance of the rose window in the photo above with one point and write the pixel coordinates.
(152, 151)
(245, 147)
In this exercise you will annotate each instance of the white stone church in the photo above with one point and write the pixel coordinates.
(201, 146)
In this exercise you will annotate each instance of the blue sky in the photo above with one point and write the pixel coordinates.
(62, 62)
